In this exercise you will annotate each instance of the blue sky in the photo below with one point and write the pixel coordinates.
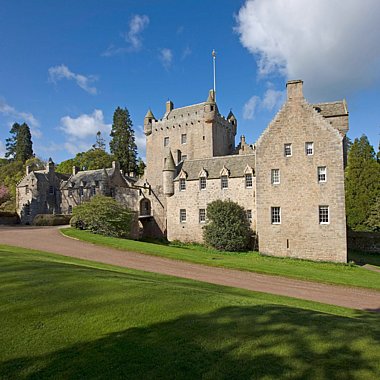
(66, 65)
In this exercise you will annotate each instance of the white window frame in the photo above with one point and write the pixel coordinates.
(324, 214)
(202, 183)
(183, 138)
(275, 176)
(182, 184)
(248, 180)
(249, 216)
(166, 141)
(288, 149)
(275, 215)
(202, 215)
(309, 148)
(224, 182)
(182, 215)
(322, 174)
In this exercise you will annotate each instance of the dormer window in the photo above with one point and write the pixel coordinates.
(224, 182)
(182, 184)
(202, 183)
(248, 180)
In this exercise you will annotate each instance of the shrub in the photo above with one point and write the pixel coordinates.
(228, 228)
(103, 215)
(51, 220)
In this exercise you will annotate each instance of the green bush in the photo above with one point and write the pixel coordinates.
(51, 220)
(228, 229)
(103, 215)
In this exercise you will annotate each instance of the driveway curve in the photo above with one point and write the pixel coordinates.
(49, 239)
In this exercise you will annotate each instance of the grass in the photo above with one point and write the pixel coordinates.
(63, 318)
(339, 274)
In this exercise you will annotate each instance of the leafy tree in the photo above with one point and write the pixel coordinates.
(90, 160)
(19, 147)
(229, 228)
(100, 142)
(122, 143)
(103, 215)
(4, 194)
(140, 167)
(35, 163)
(362, 184)
(10, 174)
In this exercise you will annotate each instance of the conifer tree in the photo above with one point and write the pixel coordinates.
(362, 185)
(19, 146)
(122, 144)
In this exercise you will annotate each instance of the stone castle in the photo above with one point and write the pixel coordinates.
(291, 182)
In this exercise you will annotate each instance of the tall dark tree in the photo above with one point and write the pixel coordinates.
(19, 147)
(100, 142)
(122, 143)
(362, 185)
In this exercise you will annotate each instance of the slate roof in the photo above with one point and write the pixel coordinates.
(88, 177)
(236, 165)
(42, 176)
(332, 109)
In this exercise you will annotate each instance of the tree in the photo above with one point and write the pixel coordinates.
(122, 143)
(228, 228)
(19, 147)
(362, 184)
(140, 167)
(100, 142)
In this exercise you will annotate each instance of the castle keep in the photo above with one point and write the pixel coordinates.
(291, 182)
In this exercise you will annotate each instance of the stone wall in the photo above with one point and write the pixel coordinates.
(364, 241)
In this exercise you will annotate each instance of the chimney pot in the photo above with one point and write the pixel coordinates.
(294, 89)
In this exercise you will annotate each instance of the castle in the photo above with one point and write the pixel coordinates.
(291, 182)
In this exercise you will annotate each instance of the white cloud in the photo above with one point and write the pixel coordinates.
(57, 73)
(333, 46)
(85, 125)
(166, 57)
(140, 141)
(272, 99)
(2, 149)
(186, 52)
(136, 26)
(21, 117)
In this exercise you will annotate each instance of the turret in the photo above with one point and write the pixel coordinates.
(50, 167)
(168, 174)
(148, 119)
(232, 119)
(210, 107)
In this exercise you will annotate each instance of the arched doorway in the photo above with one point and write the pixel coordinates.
(145, 207)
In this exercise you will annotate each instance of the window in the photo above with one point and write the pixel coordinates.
(27, 209)
(182, 184)
(96, 183)
(322, 173)
(179, 156)
(211, 108)
(248, 180)
(224, 182)
(323, 214)
(182, 215)
(81, 191)
(93, 190)
(202, 183)
(70, 210)
(288, 150)
(249, 215)
(309, 148)
(166, 141)
(70, 192)
(275, 175)
(51, 190)
(276, 215)
(184, 157)
(202, 215)
(183, 138)
(26, 189)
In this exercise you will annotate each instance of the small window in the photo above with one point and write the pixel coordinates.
(182, 215)
(224, 182)
(249, 215)
(211, 108)
(202, 215)
(202, 183)
(182, 184)
(70, 209)
(288, 150)
(26, 189)
(323, 214)
(276, 215)
(275, 176)
(179, 156)
(70, 192)
(81, 191)
(51, 190)
(183, 138)
(309, 148)
(248, 180)
(322, 174)
(93, 190)
(184, 157)
(166, 141)
(96, 183)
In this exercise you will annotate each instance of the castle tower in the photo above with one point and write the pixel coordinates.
(148, 119)
(168, 174)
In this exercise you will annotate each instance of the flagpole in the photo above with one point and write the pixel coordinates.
(214, 69)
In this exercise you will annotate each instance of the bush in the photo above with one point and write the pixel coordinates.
(228, 228)
(103, 215)
(51, 220)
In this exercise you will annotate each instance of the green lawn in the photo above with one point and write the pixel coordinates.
(340, 274)
(63, 318)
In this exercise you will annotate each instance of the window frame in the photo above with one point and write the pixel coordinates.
(166, 141)
(202, 215)
(288, 146)
(324, 217)
(184, 138)
(275, 174)
(202, 179)
(275, 216)
(249, 215)
(248, 178)
(182, 215)
(307, 149)
(320, 174)
(224, 181)
(182, 184)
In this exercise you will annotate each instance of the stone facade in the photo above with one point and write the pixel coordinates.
(291, 182)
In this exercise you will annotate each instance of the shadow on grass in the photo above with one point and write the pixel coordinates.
(362, 258)
(229, 343)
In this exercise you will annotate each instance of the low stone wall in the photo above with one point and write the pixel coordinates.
(364, 241)
(9, 219)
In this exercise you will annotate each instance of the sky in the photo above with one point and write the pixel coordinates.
(66, 65)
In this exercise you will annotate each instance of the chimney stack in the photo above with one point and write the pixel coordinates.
(75, 169)
(294, 89)
(169, 106)
(27, 169)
